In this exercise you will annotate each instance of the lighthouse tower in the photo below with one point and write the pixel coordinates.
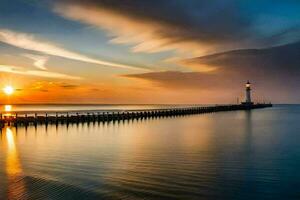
(248, 94)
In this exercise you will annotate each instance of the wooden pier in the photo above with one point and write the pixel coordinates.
(34, 118)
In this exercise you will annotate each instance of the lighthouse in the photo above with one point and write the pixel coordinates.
(248, 94)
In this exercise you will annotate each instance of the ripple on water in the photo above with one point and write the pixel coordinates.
(38, 188)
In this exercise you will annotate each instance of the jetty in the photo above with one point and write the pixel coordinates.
(63, 117)
(27, 118)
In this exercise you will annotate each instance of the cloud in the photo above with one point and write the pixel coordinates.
(29, 42)
(274, 71)
(39, 73)
(193, 87)
(39, 61)
(68, 86)
(182, 80)
(46, 86)
(279, 62)
(193, 26)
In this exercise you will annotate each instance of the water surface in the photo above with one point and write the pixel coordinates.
(227, 155)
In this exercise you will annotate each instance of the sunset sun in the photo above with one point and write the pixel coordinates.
(8, 90)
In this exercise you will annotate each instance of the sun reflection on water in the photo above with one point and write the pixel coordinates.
(7, 108)
(13, 166)
(16, 185)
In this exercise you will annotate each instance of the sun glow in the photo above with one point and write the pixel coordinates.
(7, 108)
(8, 90)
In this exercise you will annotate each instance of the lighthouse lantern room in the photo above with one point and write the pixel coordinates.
(248, 94)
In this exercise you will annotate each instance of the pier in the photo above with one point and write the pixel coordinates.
(51, 117)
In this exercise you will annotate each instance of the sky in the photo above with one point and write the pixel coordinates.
(149, 51)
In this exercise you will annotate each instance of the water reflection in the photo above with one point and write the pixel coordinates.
(248, 120)
(227, 155)
(248, 131)
(14, 172)
(13, 167)
(7, 109)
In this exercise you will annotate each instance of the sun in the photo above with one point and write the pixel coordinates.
(8, 90)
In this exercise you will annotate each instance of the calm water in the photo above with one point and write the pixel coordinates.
(229, 155)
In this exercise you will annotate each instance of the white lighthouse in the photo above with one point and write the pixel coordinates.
(248, 94)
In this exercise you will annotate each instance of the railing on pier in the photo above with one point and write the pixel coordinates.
(27, 118)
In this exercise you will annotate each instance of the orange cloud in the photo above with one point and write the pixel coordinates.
(66, 92)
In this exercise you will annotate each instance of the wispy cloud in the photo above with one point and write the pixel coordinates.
(194, 27)
(39, 73)
(39, 61)
(145, 36)
(197, 27)
(29, 42)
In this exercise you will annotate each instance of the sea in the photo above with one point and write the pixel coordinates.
(226, 155)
